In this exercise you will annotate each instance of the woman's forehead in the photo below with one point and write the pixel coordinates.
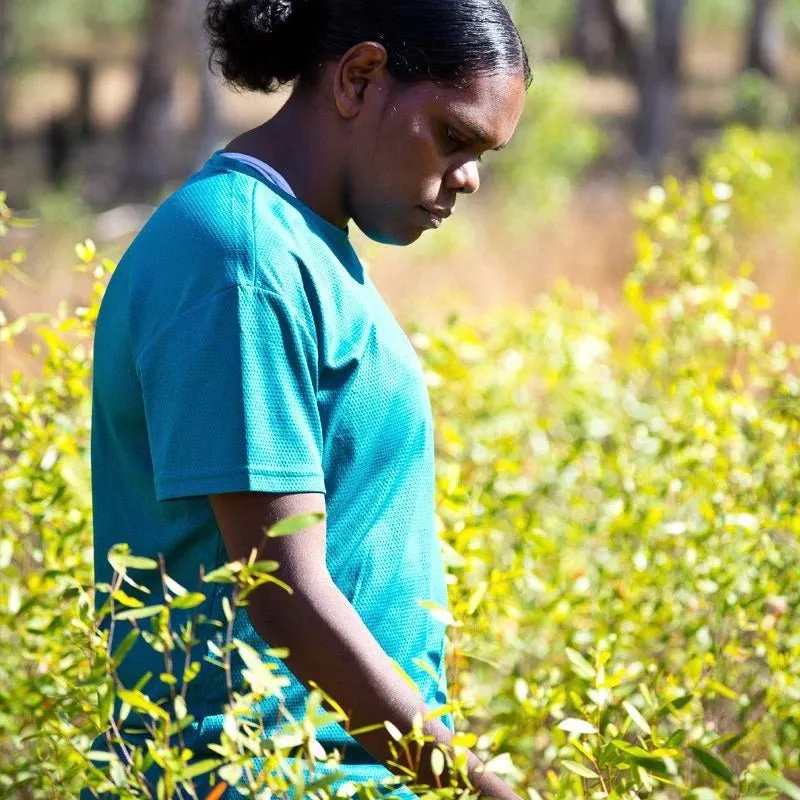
(488, 106)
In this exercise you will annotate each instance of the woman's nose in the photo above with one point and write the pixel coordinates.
(465, 179)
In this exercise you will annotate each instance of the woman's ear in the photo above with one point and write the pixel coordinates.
(363, 65)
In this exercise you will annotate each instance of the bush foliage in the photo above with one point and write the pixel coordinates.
(619, 506)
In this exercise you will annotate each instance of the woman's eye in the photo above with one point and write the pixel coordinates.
(454, 138)
(458, 142)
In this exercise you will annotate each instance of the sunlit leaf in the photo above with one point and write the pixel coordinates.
(579, 769)
(636, 716)
(139, 613)
(292, 525)
(778, 782)
(574, 725)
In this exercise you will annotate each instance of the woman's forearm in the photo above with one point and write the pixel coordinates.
(330, 644)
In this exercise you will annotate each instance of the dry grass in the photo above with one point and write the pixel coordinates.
(589, 243)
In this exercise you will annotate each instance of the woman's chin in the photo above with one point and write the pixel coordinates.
(398, 236)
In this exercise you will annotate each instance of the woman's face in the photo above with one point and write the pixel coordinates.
(418, 146)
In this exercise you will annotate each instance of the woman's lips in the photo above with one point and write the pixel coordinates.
(436, 216)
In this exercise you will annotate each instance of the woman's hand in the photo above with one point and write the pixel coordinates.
(327, 640)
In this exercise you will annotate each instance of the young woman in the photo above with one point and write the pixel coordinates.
(247, 370)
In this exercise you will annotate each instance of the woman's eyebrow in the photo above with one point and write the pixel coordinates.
(480, 135)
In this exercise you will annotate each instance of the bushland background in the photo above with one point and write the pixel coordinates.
(606, 332)
(105, 106)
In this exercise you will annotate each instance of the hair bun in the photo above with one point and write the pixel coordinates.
(258, 44)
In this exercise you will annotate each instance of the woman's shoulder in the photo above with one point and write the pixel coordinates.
(222, 228)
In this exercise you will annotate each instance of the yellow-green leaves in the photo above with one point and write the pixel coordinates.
(86, 251)
(636, 716)
(574, 725)
(617, 498)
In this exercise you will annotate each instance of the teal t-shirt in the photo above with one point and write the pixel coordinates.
(242, 347)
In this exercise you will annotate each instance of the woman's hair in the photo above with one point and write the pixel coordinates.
(263, 44)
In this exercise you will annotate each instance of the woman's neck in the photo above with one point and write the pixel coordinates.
(299, 143)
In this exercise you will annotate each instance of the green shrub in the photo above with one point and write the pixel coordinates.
(760, 102)
(619, 505)
(764, 168)
(552, 147)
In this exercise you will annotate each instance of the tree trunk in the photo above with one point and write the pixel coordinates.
(6, 56)
(150, 131)
(210, 123)
(627, 25)
(592, 42)
(765, 44)
(658, 85)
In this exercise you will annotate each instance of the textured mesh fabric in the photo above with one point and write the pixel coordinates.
(241, 347)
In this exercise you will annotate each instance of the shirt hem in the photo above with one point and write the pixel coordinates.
(250, 480)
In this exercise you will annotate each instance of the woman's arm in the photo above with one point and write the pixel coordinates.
(326, 638)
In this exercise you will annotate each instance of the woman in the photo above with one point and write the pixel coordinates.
(246, 369)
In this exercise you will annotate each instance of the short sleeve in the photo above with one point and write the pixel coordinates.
(230, 398)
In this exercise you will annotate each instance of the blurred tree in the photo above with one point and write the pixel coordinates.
(209, 123)
(604, 33)
(592, 42)
(765, 42)
(658, 82)
(151, 132)
(6, 54)
(616, 32)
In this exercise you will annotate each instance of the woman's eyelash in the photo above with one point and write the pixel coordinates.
(459, 142)
(455, 138)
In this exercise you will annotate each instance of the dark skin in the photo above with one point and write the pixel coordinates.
(360, 146)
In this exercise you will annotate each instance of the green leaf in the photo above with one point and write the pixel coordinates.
(180, 707)
(99, 756)
(120, 559)
(778, 782)
(174, 586)
(142, 682)
(727, 742)
(224, 574)
(139, 613)
(125, 646)
(574, 725)
(141, 702)
(265, 566)
(437, 761)
(405, 676)
(636, 716)
(702, 793)
(248, 654)
(86, 251)
(723, 690)
(106, 708)
(440, 613)
(201, 767)
(394, 731)
(640, 756)
(628, 749)
(127, 600)
(295, 524)
(579, 769)
(186, 601)
(677, 704)
(580, 665)
(713, 763)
